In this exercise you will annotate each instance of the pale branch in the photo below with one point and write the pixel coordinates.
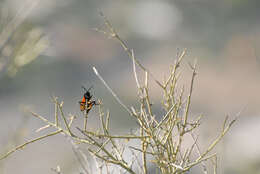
(42, 128)
(176, 66)
(165, 117)
(223, 133)
(204, 167)
(107, 121)
(54, 99)
(111, 91)
(134, 70)
(199, 161)
(85, 120)
(215, 162)
(48, 122)
(140, 150)
(189, 97)
(116, 162)
(112, 159)
(64, 118)
(115, 35)
(29, 142)
(113, 136)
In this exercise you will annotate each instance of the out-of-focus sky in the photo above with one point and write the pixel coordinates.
(224, 37)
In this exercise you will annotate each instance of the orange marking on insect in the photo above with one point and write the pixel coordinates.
(83, 99)
(86, 103)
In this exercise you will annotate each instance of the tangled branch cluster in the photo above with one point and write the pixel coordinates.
(158, 141)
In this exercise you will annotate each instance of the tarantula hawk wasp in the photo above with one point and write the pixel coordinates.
(86, 103)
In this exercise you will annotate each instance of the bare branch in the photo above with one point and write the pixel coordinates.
(29, 142)
(115, 35)
(111, 91)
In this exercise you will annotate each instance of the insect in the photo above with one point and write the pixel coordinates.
(86, 103)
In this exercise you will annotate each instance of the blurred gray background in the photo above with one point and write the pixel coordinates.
(224, 36)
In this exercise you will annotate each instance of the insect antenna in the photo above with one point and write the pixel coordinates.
(86, 90)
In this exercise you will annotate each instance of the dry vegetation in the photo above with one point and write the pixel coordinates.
(159, 143)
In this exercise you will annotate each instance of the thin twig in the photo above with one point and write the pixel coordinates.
(144, 149)
(107, 120)
(136, 160)
(42, 128)
(85, 120)
(176, 65)
(204, 167)
(63, 116)
(113, 136)
(47, 121)
(213, 144)
(134, 70)
(56, 113)
(165, 117)
(199, 161)
(111, 91)
(115, 35)
(29, 142)
(189, 97)
(215, 164)
(112, 158)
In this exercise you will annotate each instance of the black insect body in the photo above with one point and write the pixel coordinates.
(86, 103)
